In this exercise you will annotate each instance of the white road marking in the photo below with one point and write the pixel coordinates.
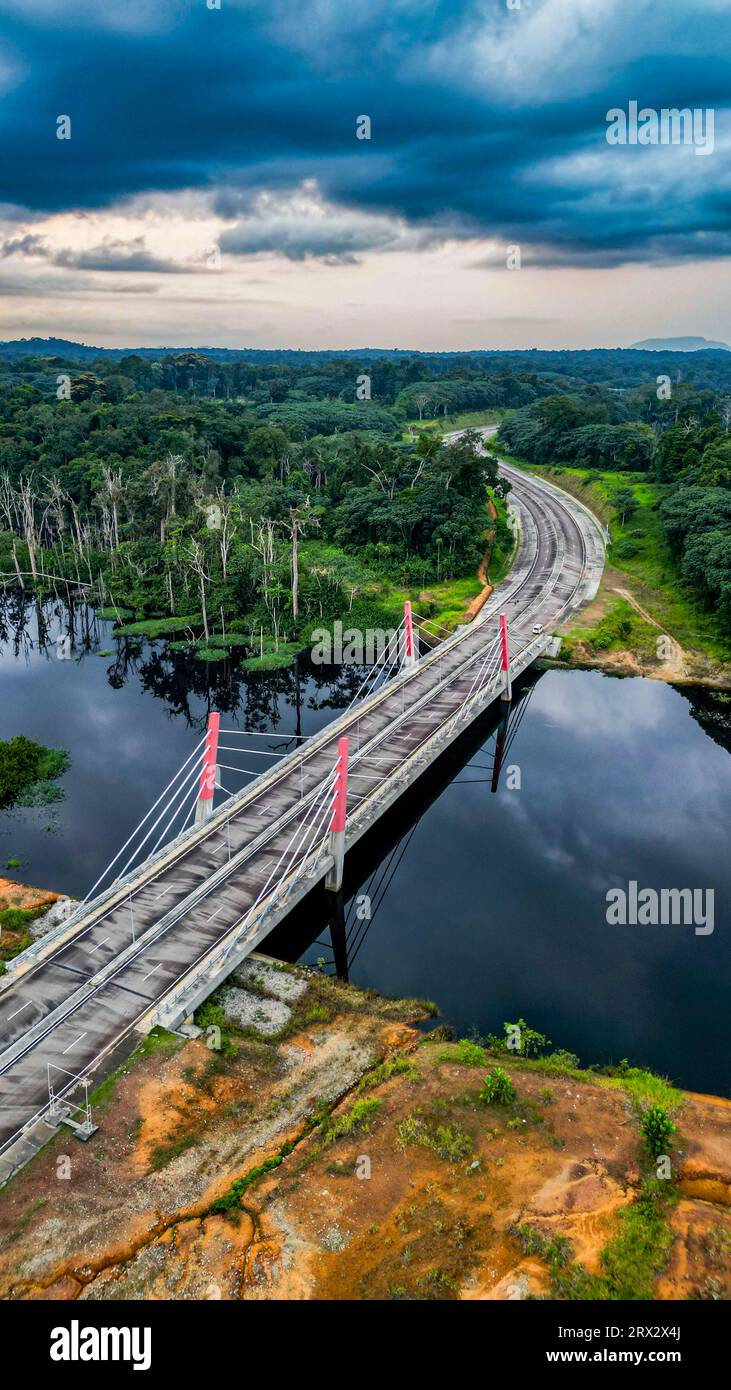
(20, 1010)
(73, 1044)
(215, 914)
(98, 944)
(173, 887)
(151, 972)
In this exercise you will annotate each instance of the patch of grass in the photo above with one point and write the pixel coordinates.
(447, 1141)
(104, 1094)
(17, 920)
(639, 1251)
(558, 1063)
(232, 1199)
(620, 629)
(631, 1260)
(398, 1065)
(165, 1153)
(113, 615)
(466, 1052)
(318, 1014)
(436, 1283)
(356, 1119)
(160, 627)
(273, 660)
(209, 654)
(646, 1088)
(640, 550)
(158, 1040)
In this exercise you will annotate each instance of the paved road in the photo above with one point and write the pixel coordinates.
(75, 1004)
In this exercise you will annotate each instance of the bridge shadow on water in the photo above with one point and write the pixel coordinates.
(339, 922)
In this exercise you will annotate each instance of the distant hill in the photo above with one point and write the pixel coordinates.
(681, 345)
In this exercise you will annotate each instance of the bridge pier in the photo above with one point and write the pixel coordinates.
(410, 651)
(507, 693)
(334, 879)
(204, 806)
(500, 740)
(338, 937)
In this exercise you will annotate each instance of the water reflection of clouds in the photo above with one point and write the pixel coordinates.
(502, 911)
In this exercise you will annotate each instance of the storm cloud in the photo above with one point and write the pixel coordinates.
(487, 123)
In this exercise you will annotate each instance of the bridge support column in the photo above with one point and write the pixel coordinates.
(338, 937)
(410, 655)
(334, 880)
(500, 740)
(204, 807)
(507, 693)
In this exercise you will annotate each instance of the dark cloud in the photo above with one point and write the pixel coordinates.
(117, 256)
(486, 122)
(109, 255)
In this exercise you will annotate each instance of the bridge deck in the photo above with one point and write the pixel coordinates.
(144, 951)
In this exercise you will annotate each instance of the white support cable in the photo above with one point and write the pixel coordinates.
(189, 816)
(483, 685)
(379, 682)
(330, 779)
(248, 771)
(489, 656)
(128, 841)
(191, 775)
(312, 835)
(450, 631)
(255, 733)
(395, 662)
(479, 682)
(320, 848)
(250, 752)
(327, 785)
(176, 813)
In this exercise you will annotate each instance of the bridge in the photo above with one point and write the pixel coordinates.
(168, 928)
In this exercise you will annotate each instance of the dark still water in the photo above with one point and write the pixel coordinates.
(491, 903)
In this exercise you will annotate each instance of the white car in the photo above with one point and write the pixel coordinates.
(538, 627)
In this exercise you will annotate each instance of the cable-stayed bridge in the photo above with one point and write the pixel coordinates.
(172, 917)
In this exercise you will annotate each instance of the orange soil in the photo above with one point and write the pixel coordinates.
(134, 1219)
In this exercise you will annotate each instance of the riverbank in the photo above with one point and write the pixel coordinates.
(643, 621)
(348, 1155)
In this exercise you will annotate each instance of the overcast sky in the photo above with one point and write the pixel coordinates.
(214, 190)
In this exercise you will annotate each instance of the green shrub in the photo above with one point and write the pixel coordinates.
(531, 1042)
(17, 918)
(27, 771)
(451, 1143)
(657, 1128)
(497, 1088)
